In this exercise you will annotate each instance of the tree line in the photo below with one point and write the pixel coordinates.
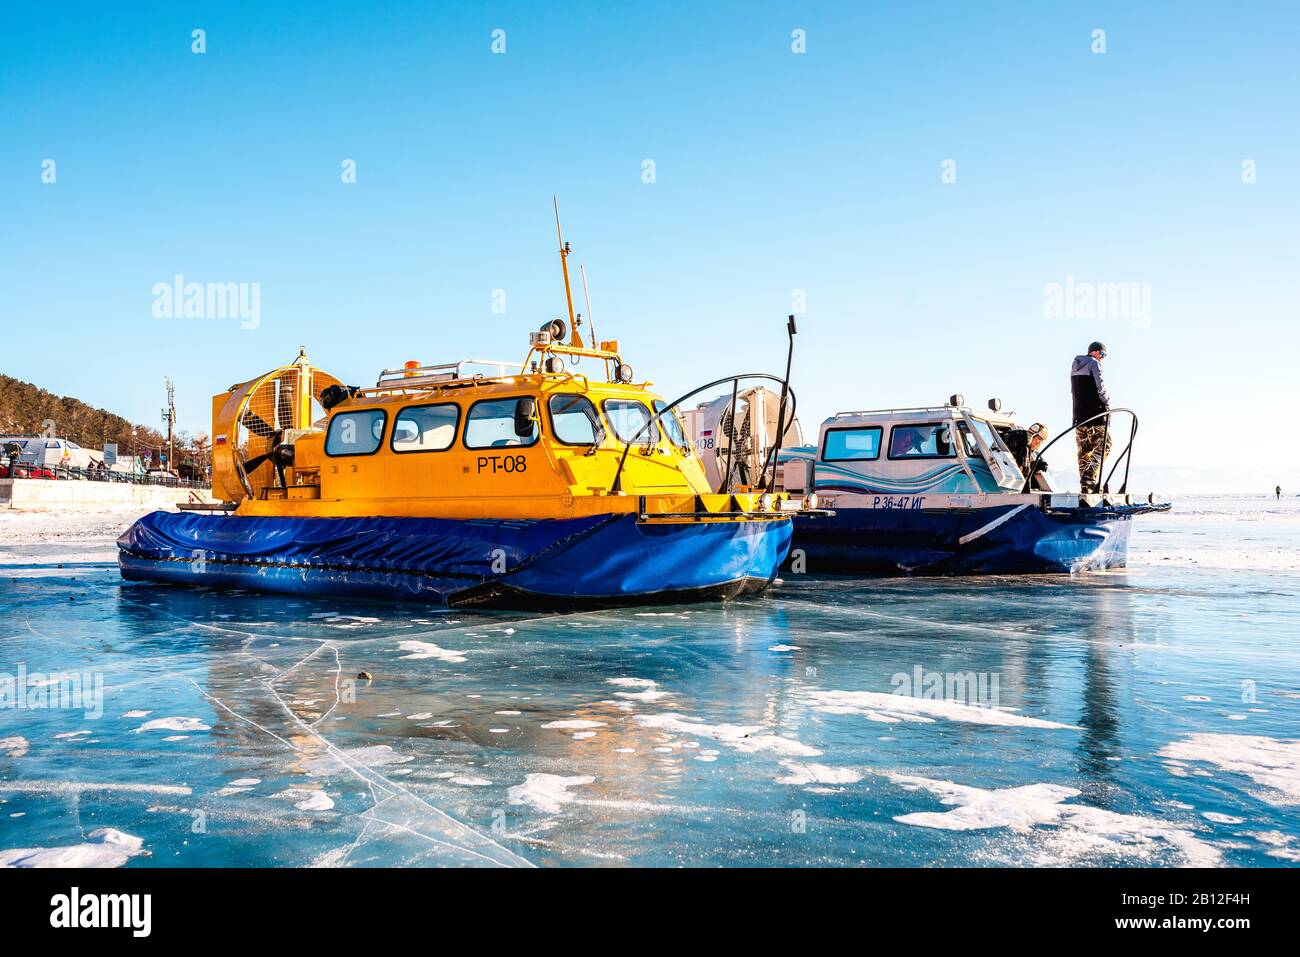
(26, 409)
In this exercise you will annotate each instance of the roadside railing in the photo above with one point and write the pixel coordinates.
(29, 470)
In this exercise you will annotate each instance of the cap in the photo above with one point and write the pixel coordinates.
(1097, 347)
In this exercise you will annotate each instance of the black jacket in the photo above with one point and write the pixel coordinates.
(1088, 389)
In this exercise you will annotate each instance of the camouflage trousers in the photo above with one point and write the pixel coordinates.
(1089, 439)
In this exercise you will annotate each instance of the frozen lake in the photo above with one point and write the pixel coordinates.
(1149, 716)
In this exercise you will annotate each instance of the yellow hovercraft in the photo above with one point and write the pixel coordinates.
(468, 483)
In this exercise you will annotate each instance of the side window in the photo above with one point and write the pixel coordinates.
(929, 441)
(968, 443)
(355, 433)
(426, 428)
(849, 445)
(491, 425)
(986, 432)
(671, 424)
(574, 420)
(627, 418)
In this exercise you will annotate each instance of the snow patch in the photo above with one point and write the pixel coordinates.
(741, 737)
(1282, 844)
(421, 650)
(546, 792)
(173, 724)
(344, 621)
(319, 801)
(373, 756)
(104, 847)
(649, 695)
(817, 774)
(1273, 764)
(892, 708)
(1218, 818)
(1022, 808)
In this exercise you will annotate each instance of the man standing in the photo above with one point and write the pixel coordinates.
(1090, 399)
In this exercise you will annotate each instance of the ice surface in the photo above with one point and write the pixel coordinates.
(1145, 716)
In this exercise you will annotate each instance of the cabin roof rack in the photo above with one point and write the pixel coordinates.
(918, 408)
(444, 373)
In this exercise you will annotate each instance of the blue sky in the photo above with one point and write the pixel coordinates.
(774, 172)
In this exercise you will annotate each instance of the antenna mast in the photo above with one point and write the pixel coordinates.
(169, 416)
(582, 270)
(564, 264)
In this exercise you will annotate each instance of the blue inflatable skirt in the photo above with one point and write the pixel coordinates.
(1006, 539)
(557, 563)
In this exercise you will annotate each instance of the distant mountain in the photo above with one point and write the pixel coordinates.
(27, 409)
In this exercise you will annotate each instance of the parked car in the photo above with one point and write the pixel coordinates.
(24, 470)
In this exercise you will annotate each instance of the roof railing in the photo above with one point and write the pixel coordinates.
(443, 373)
(919, 408)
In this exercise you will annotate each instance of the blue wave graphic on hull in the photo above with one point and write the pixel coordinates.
(944, 479)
